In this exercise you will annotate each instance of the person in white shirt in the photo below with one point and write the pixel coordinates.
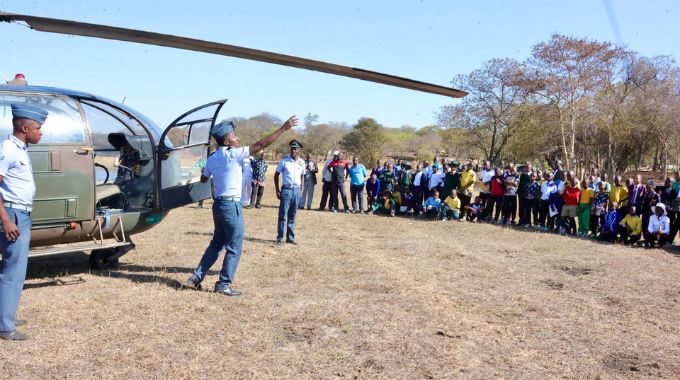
(292, 169)
(427, 169)
(659, 228)
(247, 182)
(484, 178)
(17, 189)
(327, 182)
(417, 186)
(436, 180)
(548, 187)
(225, 167)
(310, 182)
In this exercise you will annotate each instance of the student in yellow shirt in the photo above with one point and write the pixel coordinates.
(451, 206)
(587, 195)
(631, 227)
(619, 193)
(467, 184)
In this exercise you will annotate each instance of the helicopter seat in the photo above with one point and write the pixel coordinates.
(109, 195)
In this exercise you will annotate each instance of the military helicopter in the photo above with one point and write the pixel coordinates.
(104, 171)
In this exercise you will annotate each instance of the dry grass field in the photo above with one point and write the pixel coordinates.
(361, 297)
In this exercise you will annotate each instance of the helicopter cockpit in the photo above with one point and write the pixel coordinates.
(100, 158)
(92, 157)
(123, 158)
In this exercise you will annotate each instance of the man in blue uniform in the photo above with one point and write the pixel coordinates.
(225, 167)
(292, 167)
(17, 190)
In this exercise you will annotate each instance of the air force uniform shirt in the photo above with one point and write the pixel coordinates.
(226, 166)
(291, 170)
(17, 185)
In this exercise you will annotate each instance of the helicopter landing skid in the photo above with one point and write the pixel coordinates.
(104, 253)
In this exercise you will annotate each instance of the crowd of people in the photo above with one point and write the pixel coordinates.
(627, 211)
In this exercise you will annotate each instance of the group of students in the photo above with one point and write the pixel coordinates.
(401, 189)
(593, 207)
(549, 201)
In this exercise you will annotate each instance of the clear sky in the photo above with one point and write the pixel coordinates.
(420, 39)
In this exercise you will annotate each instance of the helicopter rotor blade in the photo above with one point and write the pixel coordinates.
(131, 35)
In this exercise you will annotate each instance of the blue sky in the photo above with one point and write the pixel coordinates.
(425, 40)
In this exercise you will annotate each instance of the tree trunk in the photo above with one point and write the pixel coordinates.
(572, 152)
(664, 158)
(564, 141)
(610, 154)
(656, 158)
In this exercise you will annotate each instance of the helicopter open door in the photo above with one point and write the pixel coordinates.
(182, 153)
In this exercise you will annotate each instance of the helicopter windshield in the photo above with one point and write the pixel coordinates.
(64, 124)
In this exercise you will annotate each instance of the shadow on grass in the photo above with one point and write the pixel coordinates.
(62, 270)
(258, 240)
(673, 250)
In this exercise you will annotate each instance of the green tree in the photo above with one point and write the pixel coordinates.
(366, 139)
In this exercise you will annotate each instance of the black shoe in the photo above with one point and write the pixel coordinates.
(258, 206)
(20, 322)
(291, 241)
(192, 283)
(13, 335)
(279, 241)
(228, 291)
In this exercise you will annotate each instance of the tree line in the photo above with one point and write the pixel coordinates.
(367, 138)
(584, 102)
(587, 103)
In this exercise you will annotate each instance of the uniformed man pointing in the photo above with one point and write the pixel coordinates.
(17, 190)
(225, 167)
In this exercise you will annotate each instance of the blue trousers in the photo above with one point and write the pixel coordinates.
(13, 268)
(228, 235)
(357, 194)
(290, 198)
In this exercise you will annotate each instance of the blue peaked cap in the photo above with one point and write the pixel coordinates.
(25, 111)
(222, 129)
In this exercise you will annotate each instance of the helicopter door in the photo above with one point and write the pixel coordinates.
(62, 162)
(182, 153)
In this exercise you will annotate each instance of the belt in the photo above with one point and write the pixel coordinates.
(17, 206)
(225, 198)
(291, 187)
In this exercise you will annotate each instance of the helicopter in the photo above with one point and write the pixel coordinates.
(104, 171)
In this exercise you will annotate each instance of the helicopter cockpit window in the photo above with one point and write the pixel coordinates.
(123, 155)
(104, 119)
(190, 134)
(64, 124)
(102, 124)
(186, 144)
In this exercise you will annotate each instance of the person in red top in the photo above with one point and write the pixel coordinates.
(339, 171)
(571, 196)
(496, 193)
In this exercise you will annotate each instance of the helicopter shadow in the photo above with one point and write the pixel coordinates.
(63, 270)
